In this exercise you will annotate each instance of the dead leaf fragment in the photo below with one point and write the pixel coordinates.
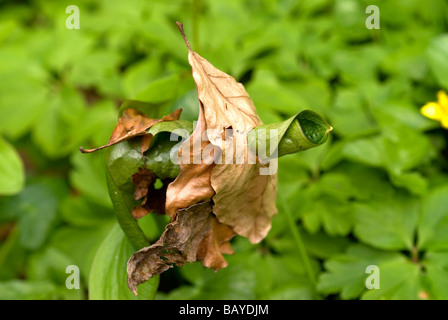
(195, 234)
(153, 199)
(192, 185)
(133, 123)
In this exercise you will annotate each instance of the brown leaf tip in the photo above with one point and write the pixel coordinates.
(181, 29)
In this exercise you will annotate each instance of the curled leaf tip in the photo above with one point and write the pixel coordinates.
(305, 130)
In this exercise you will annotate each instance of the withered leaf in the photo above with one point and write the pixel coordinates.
(153, 199)
(193, 235)
(244, 199)
(192, 185)
(210, 201)
(133, 123)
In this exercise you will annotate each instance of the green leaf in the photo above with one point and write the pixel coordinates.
(398, 151)
(150, 109)
(139, 74)
(347, 115)
(107, 280)
(433, 224)
(50, 265)
(268, 93)
(333, 215)
(79, 211)
(89, 177)
(436, 53)
(102, 67)
(18, 71)
(181, 128)
(346, 273)
(388, 224)
(12, 172)
(165, 146)
(27, 290)
(324, 246)
(79, 244)
(291, 292)
(36, 209)
(234, 282)
(399, 280)
(160, 90)
(62, 112)
(122, 161)
(12, 256)
(160, 154)
(350, 180)
(413, 181)
(436, 267)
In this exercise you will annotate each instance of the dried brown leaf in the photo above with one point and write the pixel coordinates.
(195, 234)
(153, 199)
(133, 123)
(210, 201)
(192, 185)
(244, 199)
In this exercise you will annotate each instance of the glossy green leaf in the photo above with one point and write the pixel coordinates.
(387, 224)
(437, 52)
(27, 290)
(88, 176)
(160, 90)
(79, 244)
(108, 276)
(400, 279)
(81, 212)
(346, 273)
(433, 226)
(36, 209)
(12, 173)
(436, 267)
(122, 161)
(303, 131)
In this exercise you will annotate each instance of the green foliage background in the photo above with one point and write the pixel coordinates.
(375, 194)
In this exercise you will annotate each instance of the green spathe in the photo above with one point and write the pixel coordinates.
(303, 131)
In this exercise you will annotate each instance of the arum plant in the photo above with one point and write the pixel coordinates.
(210, 176)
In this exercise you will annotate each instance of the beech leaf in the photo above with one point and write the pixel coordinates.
(243, 198)
(133, 123)
(221, 187)
(193, 235)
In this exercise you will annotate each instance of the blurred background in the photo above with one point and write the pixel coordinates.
(375, 194)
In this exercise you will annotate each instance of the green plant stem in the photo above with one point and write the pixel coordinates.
(5, 249)
(300, 245)
(128, 224)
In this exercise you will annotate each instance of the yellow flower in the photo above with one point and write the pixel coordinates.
(437, 110)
